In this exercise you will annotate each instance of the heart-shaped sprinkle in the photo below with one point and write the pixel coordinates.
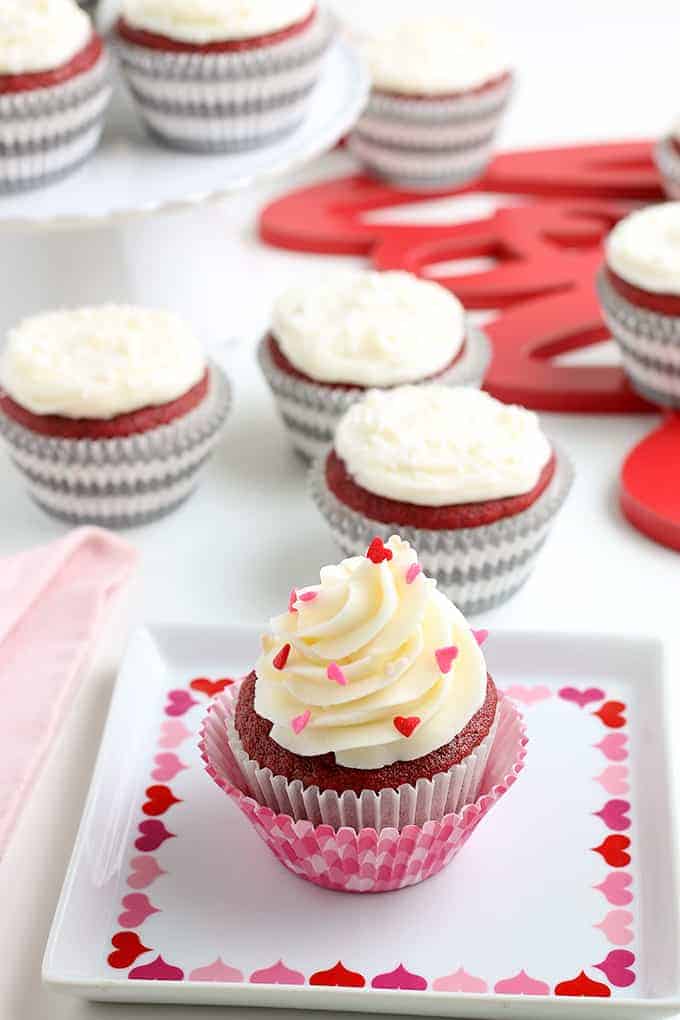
(281, 658)
(127, 948)
(521, 984)
(292, 599)
(157, 970)
(413, 572)
(217, 971)
(613, 746)
(400, 978)
(210, 687)
(445, 657)
(338, 977)
(527, 695)
(582, 986)
(277, 974)
(616, 927)
(614, 779)
(581, 698)
(614, 815)
(615, 888)
(460, 981)
(406, 724)
(179, 702)
(167, 767)
(145, 870)
(335, 673)
(308, 596)
(612, 715)
(173, 732)
(377, 552)
(616, 967)
(480, 636)
(300, 721)
(153, 834)
(613, 850)
(137, 909)
(161, 798)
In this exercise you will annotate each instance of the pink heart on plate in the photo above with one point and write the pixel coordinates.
(137, 909)
(157, 970)
(145, 871)
(153, 834)
(460, 981)
(615, 888)
(613, 746)
(167, 767)
(529, 695)
(521, 984)
(277, 974)
(580, 697)
(217, 971)
(173, 732)
(179, 702)
(615, 815)
(616, 967)
(614, 779)
(400, 978)
(615, 927)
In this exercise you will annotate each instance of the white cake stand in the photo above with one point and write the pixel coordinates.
(80, 240)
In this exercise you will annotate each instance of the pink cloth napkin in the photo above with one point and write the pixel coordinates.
(54, 600)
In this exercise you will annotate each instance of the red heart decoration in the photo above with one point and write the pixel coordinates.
(377, 552)
(160, 799)
(127, 948)
(406, 724)
(612, 715)
(650, 492)
(338, 977)
(210, 687)
(281, 658)
(613, 850)
(582, 986)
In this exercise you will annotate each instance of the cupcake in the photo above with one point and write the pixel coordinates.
(335, 337)
(667, 157)
(639, 289)
(473, 483)
(369, 728)
(109, 412)
(54, 89)
(222, 75)
(440, 87)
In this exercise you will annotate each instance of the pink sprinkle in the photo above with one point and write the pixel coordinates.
(308, 596)
(445, 657)
(413, 572)
(300, 721)
(480, 636)
(291, 601)
(335, 673)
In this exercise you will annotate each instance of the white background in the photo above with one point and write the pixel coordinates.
(588, 70)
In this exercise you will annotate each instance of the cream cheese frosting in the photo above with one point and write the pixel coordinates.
(100, 362)
(369, 329)
(39, 35)
(363, 657)
(434, 55)
(440, 445)
(644, 248)
(206, 21)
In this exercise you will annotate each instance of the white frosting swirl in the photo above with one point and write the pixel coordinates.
(435, 55)
(382, 632)
(39, 35)
(207, 21)
(100, 362)
(369, 329)
(644, 248)
(440, 445)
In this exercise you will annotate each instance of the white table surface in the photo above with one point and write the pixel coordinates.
(588, 71)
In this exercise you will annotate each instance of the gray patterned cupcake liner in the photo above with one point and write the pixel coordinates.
(478, 568)
(667, 159)
(225, 102)
(123, 482)
(46, 133)
(311, 411)
(428, 144)
(649, 343)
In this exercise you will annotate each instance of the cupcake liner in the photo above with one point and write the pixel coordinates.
(120, 482)
(430, 143)
(478, 568)
(366, 859)
(649, 343)
(45, 133)
(311, 411)
(218, 102)
(667, 159)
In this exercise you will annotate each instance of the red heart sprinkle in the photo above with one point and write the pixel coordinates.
(406, 724)
(127, 948)
(377, 551)
(210, 687)
(582, 985)
(160, 799)
(613, 850)
(612, 715)
(281, 658)
(338, 977)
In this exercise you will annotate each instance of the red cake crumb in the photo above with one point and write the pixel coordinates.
(434, 518)
(153, 41)
(83, 61)
(486, 86)
(284, 365)
(321, 770)
(666, 304)
(134, 422)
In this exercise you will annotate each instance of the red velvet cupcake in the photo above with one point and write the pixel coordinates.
(54, 89)
(472, 482)
(370, 709)
(234, 75)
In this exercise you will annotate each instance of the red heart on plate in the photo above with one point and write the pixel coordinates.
(650, 492)
(338, 977)
(127, 947)
(612, 715)
(406, 724)
(160, 799)
(210, 687)
(613, 849)
(582, 986)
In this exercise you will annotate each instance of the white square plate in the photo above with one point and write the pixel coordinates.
(564, 901)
